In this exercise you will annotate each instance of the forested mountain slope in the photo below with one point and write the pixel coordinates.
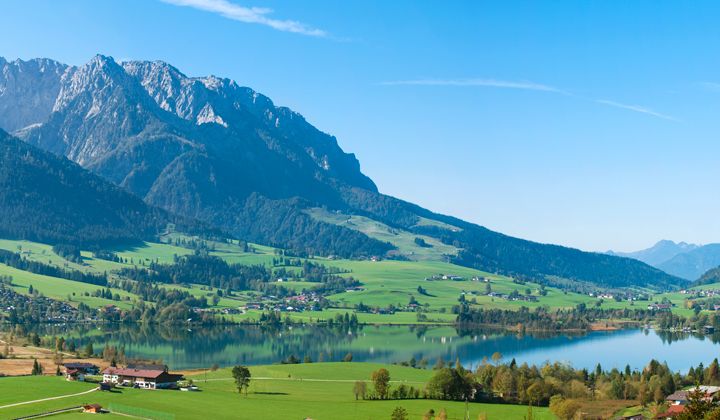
(47, 198)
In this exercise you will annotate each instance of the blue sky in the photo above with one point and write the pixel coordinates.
(592, 124)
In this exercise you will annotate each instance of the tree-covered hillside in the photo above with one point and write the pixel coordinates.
(50, 199)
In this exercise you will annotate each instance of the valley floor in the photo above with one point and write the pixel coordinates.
(317, 391)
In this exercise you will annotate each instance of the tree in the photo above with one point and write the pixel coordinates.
(242, 378)
(442, 415)
(89, 351)
(399, 413)
(713, 415)
(37, 368)
(496, 357)
(713, 373)
(360, 389)
(381, 381)
(451, 384)
(564, 409)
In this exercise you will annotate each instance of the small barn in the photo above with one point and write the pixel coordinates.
(92, 408)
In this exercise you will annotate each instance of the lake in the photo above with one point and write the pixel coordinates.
(183, 348)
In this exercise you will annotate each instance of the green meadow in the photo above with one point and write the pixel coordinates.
(402, 239)
(318, 391)
(385, 282)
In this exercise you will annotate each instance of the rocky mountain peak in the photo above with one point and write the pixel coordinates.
(28, 90)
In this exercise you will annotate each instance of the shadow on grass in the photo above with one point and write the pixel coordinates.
(270, 393)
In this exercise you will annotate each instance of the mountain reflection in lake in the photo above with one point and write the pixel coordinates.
(183, 348)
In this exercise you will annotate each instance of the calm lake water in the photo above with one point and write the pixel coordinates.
(195, 348)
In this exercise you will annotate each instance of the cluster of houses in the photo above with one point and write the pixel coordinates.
(701, 293)
(514, 297)
(437, 277)
(137, 376)
(61, 311)
(619, 296)
(309, 301)
(678, 400)
(665, 307)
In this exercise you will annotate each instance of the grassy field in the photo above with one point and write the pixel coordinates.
(318, 391)
(402, 239)
(385, 282)
(62, 289)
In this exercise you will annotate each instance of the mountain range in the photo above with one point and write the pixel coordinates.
(208, 149)
(688, 261)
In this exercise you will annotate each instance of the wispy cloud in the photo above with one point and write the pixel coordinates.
(636, 108)
(257, 15)
(525, 85)
(711, 86)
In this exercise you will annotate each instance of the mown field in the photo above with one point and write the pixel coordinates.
(318, 391)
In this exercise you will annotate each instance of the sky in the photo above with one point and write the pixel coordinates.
(592, 124)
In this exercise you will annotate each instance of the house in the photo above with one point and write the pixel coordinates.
(109, 309)
(680, 398)
(77, 371)
(672, 412)
(412, 307)
(677, 398)
(86, 368)
(92, 408)
(254, 305)
(659, 307)
(710, 391)
(141, 378)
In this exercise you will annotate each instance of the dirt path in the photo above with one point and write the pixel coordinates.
(48, 399)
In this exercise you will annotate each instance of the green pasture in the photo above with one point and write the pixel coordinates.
(318, 391)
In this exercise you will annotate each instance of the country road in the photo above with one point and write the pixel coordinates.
(48, 399)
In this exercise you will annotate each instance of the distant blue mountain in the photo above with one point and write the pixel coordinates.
(684, 260)
(693, 264)
(659, 253)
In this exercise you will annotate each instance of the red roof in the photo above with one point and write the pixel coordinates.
(672, 411)
(135, 373)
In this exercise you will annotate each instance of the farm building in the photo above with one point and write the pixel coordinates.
(76, 371)
(92, 408)
(141, 378)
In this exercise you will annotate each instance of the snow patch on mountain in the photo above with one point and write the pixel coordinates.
(207, 115)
